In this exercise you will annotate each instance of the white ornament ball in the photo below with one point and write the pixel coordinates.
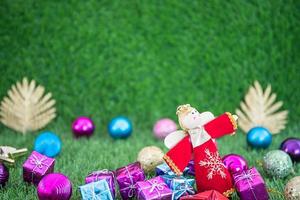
(150, 157)
(292, 189)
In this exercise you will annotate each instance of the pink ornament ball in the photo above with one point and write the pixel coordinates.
(163, 127)
(54, 186)
(235, 163)
(83, 126)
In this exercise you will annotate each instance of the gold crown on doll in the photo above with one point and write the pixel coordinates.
(183, 109)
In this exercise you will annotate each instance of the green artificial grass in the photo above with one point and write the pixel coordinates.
(142, 59)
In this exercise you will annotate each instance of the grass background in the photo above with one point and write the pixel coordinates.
(142, 59)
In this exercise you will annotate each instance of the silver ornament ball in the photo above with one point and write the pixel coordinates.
(277, 163)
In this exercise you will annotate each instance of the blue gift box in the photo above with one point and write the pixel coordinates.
(164, 169)
(179, 185)
(96, 191)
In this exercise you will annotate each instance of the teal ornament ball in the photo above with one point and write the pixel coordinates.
(48, 144)
(278, 164)
(259, 137)
(120, 127)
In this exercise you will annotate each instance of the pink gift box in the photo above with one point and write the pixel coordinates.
(250, 185)
(152, 189)
(36, 167)
(127, 177)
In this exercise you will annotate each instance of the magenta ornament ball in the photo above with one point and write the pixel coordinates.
(4, 175)
(54, 186)
(235, 163)
(163, 127)
(83, 126)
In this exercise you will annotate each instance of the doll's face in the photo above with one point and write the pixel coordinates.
(192, 119)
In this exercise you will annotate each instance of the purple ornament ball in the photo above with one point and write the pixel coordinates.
(163, 127)
(4, 174)
(292, 147)
(235, 163)
(83, 126)
(54, 186)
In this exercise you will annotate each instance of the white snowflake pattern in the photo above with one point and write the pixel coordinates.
(214, 164)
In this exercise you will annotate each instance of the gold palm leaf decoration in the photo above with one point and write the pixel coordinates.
(260, 109)
(26, 108)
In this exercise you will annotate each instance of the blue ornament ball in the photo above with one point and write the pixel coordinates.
(120, 127)
(48, 144)
(259, 137)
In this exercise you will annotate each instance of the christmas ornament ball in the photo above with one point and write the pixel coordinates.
(83, 126)
(292, 189)
(150, 157)
(277, 163)
(120, 127)
(54, 186)
(4, 175)
(235, 163)
(163, 127)
(259, 137)
(292, 147)
(48, 144)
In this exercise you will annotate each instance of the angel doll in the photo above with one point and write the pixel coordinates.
(196, 140)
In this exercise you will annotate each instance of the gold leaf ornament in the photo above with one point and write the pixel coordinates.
(26, 108)
(260, 109)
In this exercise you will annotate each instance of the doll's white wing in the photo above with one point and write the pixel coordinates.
(173, 138)
(206, 117)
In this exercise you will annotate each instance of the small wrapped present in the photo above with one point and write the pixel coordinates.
(36, 167)
(98, 190)
(250, 185)
(164, 169)
(207, 195)
(179, 185)
(127, 177)
(191, 168)
(152, 189)
(109, 176)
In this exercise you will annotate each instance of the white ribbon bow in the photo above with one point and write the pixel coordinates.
(156, 186)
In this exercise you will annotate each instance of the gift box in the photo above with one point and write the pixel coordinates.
(207, 195)
(127, 177)
(250, 185)
(191, 168)
(180, 186)
(109, 176)
(98, 190)
(164, 169)
(154, 188)
(36, 167)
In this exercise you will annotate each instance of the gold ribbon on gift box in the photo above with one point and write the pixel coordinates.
(9, 154)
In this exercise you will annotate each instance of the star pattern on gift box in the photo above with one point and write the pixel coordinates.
(214, 164)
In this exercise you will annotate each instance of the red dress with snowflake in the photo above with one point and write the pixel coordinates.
(210, 171)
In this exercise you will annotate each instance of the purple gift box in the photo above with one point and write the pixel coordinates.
(191, 167)
(109, 176)
(36, 167)
(154, 188)
(250, 185)
(127, 177)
